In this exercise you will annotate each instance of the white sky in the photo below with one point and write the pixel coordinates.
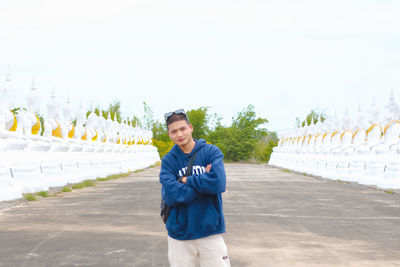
(283, 56)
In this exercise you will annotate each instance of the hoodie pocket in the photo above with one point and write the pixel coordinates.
(217, 211)
(178, 224)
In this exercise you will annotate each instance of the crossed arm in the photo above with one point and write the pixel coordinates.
(212, 182)
(184, 179)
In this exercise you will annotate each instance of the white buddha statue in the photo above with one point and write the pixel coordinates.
(331, 139)
(302, 141)
(101, 138)
(324, 145)
(390, 149)
(10, 93)
(28, 119)
(320, 130)
(118, 130)
(373, 132)
(91, 127)
(91, 132)
(31, 124)
(109, 130)
(310, 139)
(127, 134)
(67, 127)
(149, 137)
(52, 127)
(131, 135)
(102, 128)
(374, 165)
(11, 137)
(80, 130)
(8, 120)
(391, 135)
(359, 133)
(345, 133)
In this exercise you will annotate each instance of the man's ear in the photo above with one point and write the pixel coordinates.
(168, 133)
(191, 127)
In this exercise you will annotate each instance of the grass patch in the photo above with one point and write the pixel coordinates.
(158, 163)
(113, 177)
(42, 194)
(77, 186)
(123, 175)
(67, 189)
(89, 183)
(286, 170)
(83, 184)
(389, 192)
(341, 181)
(30, 197)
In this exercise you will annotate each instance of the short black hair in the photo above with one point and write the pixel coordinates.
(177, 117)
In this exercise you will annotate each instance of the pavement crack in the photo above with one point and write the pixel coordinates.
(114, 251)
(139, 259)
(32, 253)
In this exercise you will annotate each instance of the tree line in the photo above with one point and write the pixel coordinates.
(246, 139)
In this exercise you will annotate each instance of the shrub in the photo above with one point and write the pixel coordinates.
(42, 194)
(163, 147)
(30, 197)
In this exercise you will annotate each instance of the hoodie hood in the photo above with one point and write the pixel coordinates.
(176, 151)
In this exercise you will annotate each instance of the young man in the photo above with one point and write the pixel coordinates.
(196, 221)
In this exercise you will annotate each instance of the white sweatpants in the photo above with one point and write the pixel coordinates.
(208, 251)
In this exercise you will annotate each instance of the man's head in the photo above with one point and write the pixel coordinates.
(179, 128)
(176, 115)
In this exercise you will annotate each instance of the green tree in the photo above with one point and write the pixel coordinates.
(199, 119)
(148, 116)
(314, 115)
(247, 121)
(114, 109)
(238, 141)
(264, 147)
(160, 131)
(135, 122)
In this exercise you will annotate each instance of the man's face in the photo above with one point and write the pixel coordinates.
(180, 132)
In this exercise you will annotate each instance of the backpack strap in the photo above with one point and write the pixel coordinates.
(189, 170)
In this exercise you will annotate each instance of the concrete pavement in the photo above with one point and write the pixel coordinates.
(273, 217)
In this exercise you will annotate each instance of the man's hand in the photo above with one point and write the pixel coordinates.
(184, 179)
(208, 168)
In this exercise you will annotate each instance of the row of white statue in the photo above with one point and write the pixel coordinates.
(36, 156)
(364, 148)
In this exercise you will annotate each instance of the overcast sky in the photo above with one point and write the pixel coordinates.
(285, 57)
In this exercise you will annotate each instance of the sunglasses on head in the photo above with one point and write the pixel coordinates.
(178, 111)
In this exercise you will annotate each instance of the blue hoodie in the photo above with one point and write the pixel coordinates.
(197, 205)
